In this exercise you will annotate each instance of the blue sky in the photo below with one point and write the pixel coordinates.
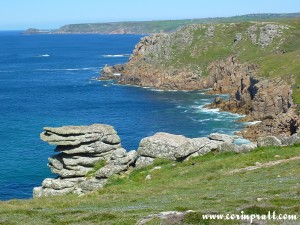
(22, 14)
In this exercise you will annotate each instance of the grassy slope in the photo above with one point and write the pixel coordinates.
(201, 184)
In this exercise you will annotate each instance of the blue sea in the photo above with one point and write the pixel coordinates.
(48, 80)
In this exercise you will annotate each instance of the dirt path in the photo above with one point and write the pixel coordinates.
(263, 165)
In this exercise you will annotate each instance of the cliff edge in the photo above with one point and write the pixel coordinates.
(256, 63)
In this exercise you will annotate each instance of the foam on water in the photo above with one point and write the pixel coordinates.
(44, 55)
(116, 56)
(69, 69)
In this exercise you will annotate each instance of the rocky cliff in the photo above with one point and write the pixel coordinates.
(268, 101)
(236, 59)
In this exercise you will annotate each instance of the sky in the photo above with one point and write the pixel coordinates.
(49, 14)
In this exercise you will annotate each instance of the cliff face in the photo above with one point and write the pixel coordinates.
(147, 66)
(267, 100)
(228, 58)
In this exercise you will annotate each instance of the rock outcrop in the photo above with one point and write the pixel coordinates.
(179, 148)
(268, 101)
(88, 156)
(264, 35)
(111, 72)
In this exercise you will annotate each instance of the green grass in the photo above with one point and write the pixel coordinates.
(96, 167)
(201, 184)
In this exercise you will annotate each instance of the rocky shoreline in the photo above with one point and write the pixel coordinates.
(269, 101)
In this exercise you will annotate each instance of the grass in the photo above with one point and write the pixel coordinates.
(96, 167)
(201, 184)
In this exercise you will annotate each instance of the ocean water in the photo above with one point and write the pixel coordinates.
(47, 80)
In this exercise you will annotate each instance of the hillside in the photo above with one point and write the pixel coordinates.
(208, 184)
(257, 63)
(150, 27)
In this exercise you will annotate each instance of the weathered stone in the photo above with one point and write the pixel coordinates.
(244, 148)
(80, 160)
(267, 101)
(45, 192)
(75, 135)
(82, 148)
(78, 171)
(268, 33)
(55, 162)
(211, 146)
(228, 147)
(164, 145)
(110, 169)
(290, 140)
(203, 145)
(119, 153)
(144, 161)
(57, 184)
(268, 141)
(238, 38)
(221, 137)
(210, 33)
(128, 159)
(91, 184)
(112, 72)
(90, 148)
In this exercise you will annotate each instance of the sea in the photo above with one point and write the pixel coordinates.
(49, 80)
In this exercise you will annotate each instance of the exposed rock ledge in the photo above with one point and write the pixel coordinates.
(89, 155)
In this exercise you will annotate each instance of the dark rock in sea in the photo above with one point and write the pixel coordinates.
(112, 72)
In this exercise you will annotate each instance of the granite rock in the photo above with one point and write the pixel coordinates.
(268, 141)
(83, 149)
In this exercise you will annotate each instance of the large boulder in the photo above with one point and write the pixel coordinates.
(221, 137)
(167, 146)
(290, 140)
(179, 148)
(268, 141)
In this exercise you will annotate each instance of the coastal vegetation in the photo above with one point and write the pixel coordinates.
(203, 184)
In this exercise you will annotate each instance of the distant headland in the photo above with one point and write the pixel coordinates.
(150, 27)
